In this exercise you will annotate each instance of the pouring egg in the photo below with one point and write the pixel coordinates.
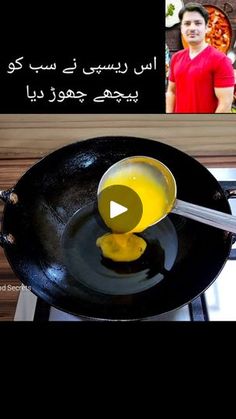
(153, 188)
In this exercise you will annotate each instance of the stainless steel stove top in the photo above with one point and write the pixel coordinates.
(219, 301)
(221, 296)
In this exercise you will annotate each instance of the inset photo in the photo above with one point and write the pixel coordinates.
(200, 59)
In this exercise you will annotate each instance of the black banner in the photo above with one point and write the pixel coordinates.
(111, 69)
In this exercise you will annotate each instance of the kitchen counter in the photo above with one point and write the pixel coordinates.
(24, 139)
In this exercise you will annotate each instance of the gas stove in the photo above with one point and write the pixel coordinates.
(217, 303)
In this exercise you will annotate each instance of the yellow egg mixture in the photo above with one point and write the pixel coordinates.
(121, 247)
(128, 246)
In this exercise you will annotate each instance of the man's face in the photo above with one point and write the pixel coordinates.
(193, 28)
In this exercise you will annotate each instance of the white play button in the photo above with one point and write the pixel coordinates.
(116, 209)
(120, 208)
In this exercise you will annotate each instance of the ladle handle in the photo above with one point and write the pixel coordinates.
(205, 215)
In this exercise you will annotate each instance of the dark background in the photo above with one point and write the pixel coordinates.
(93, 38)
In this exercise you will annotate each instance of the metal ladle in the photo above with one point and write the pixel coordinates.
(164, 177)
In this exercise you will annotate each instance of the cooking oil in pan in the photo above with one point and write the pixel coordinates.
(89, 267)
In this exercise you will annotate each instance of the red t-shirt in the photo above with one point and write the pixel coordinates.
(196, 78)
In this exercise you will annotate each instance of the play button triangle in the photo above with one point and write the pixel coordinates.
(116, 209)
(120, 208)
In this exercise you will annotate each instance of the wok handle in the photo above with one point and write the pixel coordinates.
(230, 193)
(9, 197)
(206, 215)
(6, 239)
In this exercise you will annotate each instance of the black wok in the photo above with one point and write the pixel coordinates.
(183, 256)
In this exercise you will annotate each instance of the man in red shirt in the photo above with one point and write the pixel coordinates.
(201, 78)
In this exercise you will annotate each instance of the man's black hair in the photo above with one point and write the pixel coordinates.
(194, 7)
